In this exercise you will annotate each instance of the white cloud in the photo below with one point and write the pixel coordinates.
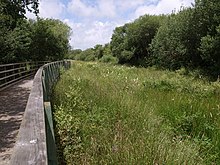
(49, 9)
(87, 35)
(107, 8)
(163, 7)
(102, 9)
(129, 4)
(77, 7)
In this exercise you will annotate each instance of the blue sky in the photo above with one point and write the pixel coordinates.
(93, 21)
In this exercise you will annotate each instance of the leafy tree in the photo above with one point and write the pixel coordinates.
(107, 56)
(49, 39)
(117, 43)
(140, 35)
(107, 49)
(15, 44)
(14, 29)
(189, 38)
(98, 50)
(172, 43)
(73, 53)
(130, 43)
(13, 10)
(210, 51)
(86, 55)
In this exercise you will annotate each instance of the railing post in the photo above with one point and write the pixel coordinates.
(51, 144)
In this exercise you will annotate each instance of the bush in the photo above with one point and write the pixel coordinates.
(108, 59)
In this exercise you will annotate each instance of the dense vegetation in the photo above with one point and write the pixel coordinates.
(25, 40)
(107, 114)
(188, 39)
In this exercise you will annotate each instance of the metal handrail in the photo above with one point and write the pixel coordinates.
(42, 62)
(35, 143)
(11, 73)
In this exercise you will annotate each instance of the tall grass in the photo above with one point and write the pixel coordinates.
(107, 114)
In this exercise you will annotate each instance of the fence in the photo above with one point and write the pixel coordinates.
(35, 142)
(11, 73)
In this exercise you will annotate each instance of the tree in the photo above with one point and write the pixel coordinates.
(178, 39)
(86, 55)
(15, 44)
(210, 51)
(73, 53)
(107, 55)
(12, 11)
(130, 43)
(117, 43)
(140, 35)
(98, 50)
(14, 29)
(49, 39)
(169, 48)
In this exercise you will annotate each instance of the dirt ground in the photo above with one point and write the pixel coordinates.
(12, 106)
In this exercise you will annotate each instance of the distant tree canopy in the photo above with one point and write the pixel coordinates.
(25, 40)
(98, 53)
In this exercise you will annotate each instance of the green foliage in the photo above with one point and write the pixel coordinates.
(171, 47)
(189, 39)
(128, 115)
(49, 39)
(86, 55)
(210, 48)
(15, 30)
(109, 59)
(15, 44)
(23, 40)
(73, 53)
(126, 55)
(98, 51)
(12, 11)
(117, 43)
(130, 43)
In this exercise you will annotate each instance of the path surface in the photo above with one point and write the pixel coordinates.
(12, 106)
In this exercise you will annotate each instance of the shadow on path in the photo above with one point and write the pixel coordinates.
(12, 106)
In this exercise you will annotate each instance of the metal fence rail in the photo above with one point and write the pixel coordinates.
(36, 142)
(11, 73)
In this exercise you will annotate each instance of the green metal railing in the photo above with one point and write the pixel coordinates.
(11, 73)
(50, 76)
(36, 142)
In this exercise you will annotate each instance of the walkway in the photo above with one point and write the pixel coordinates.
(12, 106)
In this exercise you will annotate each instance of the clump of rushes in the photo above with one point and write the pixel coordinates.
(107, 114)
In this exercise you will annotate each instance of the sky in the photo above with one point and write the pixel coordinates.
(93, 21)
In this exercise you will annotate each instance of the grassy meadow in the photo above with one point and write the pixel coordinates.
(108, 114)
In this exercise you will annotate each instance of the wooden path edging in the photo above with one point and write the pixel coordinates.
(35, 144)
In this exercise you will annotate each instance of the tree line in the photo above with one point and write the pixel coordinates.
(30, 40)
(188, 39)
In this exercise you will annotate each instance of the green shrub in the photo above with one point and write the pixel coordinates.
(109, 59)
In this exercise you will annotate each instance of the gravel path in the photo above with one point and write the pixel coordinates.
(12, 106)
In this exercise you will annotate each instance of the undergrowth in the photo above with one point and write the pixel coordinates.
(106, 114)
